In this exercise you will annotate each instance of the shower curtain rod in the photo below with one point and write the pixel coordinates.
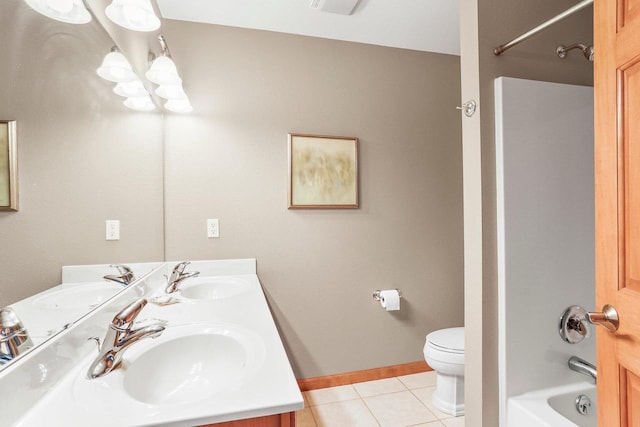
(503, 47)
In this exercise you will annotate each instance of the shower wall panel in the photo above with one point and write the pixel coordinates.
(545, 197)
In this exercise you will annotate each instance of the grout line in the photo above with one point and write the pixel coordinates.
(313, 416)
(383, 393)
(425, 405)
(428, 422)
(306, 399)
(371, 412)
(362, 399)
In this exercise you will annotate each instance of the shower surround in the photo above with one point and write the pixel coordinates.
(545, 204)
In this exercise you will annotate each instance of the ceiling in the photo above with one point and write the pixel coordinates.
(425, 25)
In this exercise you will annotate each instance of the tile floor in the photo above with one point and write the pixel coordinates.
(394, 402)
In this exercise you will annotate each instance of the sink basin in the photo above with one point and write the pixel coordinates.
(212, 288)
(70, 297)
(188, 363)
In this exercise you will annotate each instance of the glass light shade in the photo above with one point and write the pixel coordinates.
(69, 11)
(132, 89)
(137, 15)
(116, 68)
(179, 105)
(140, 103)
(163, 72)
(171, 91)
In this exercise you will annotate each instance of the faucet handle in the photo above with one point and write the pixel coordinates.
(126, 275)
(122, 269)
(125, 318)
(179, 268)
(178, 271)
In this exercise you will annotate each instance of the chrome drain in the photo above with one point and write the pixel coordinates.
(583, 404)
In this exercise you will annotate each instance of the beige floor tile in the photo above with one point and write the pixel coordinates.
(330, 395)
(454, 422)
(425, 394)
(378, 387)
(399, 410)
(431, 424)
(305, 418)
(423, 379)
(350, 413)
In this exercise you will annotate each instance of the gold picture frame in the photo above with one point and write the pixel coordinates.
(323, 172)
(8, 166)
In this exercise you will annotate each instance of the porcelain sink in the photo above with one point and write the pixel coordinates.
(186, 364)
(211, 288)
(70, 297)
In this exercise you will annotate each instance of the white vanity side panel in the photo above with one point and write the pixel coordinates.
(545, 197)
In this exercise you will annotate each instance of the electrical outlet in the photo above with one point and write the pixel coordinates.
(213, 228)
(113, 229)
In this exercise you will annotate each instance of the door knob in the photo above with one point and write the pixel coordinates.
(608, 318)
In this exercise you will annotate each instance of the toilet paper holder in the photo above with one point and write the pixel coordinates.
(376, 294)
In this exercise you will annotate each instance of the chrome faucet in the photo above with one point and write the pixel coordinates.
(583, 367)
(125, 278)
(120, 335)
(14, 339)
(178, 275)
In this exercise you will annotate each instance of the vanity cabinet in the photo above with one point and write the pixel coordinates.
(287, 419)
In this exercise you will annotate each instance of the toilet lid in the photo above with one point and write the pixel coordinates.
(451, 339)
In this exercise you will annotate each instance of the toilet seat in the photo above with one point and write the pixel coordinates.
(447, 340)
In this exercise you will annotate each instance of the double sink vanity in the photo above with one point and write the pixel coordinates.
(203, 351)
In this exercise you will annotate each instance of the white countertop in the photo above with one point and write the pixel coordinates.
(266, 387)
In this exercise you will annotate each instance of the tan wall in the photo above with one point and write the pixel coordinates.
(228, 160)
(485, 25)
(83, 158)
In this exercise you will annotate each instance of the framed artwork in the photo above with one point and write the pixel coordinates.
(8, 166)
(323, 172)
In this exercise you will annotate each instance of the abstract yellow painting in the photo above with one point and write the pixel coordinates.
(8, 166)
(323, 172)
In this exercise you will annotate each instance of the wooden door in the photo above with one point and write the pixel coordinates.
(617, 153)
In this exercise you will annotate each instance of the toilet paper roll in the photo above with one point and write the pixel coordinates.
(390, 300)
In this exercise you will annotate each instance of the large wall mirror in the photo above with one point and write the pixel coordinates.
(83, 158)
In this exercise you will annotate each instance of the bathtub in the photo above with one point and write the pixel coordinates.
(552, 407)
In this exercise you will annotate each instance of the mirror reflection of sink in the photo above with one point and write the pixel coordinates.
(70, 297)
(214, 287)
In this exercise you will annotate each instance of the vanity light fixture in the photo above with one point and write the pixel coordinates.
(179, 105)
(132, 89)
(140, 103)
(136, 15)
(171, 91)
(115, 68)
(69, 11)
(163, 70)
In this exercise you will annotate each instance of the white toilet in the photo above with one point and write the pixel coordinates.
(444, 352)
